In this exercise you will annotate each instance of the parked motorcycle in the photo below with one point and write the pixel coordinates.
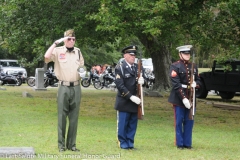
(31, 81)
(50, 79)
(13, 79)
(87, 81)
(106, 79)
(150, 77)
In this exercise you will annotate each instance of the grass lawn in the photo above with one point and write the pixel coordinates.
(200, 70)
(32, 122)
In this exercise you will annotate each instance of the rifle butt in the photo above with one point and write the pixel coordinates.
(140, 116)
(190, 116)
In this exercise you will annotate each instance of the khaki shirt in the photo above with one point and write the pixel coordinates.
(66, 63)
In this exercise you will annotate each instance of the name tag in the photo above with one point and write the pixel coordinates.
(127, 75)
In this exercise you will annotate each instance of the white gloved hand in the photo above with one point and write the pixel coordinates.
(186, 103)
(135, 99)
(60, 40)
(194, 84)
(141, 80)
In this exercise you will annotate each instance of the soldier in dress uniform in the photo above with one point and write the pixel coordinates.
(67, 60)
(180, 75)
(126, 100)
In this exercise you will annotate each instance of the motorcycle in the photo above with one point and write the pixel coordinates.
(13, 79)
(150, 77)
(106, 79)
(50, 78)
(31, 81)
(87, 81)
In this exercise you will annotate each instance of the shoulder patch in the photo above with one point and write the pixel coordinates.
(174, 73)
(117, 76)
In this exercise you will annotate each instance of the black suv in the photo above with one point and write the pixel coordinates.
(224, 78)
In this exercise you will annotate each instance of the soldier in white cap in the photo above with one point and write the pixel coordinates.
(180, 75)
(67, 59)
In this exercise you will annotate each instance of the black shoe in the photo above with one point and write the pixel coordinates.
(180, 147)
(74, 149)
(62, 149)
(132, 148)
(188, 147)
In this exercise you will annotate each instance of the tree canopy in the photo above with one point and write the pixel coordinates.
(103, 28)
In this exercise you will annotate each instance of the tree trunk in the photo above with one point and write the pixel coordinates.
(161, 59)
(161, 63)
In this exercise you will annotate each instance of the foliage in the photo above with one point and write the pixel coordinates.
(103, 28)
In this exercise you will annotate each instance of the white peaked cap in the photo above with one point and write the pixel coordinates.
(184, 48)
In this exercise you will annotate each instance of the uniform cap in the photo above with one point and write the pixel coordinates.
(69, 33)
(185, 48)
(130, 49)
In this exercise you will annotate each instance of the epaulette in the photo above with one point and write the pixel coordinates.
(176, 62)
(75, 48)
(118, 66)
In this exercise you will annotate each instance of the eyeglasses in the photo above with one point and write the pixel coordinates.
(69, 39)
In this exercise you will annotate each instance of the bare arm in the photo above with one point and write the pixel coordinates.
(49, 51)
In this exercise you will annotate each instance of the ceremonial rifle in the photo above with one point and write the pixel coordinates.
(140, 90)
(192, 92)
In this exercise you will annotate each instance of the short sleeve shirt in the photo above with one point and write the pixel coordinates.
(66, 63)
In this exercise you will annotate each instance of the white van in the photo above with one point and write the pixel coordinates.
(11, 66)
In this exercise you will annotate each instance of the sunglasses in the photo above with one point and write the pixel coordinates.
(69, 39)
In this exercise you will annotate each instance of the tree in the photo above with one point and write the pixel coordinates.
(160, 25)
(29, 27)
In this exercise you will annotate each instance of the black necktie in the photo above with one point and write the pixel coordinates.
(132, 67)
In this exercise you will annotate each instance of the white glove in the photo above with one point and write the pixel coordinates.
(186, 103)
(194, 84)
(141, 80)
(135, 99)
(60, 40)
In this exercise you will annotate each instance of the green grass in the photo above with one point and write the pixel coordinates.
(200, 70)
(33, 122)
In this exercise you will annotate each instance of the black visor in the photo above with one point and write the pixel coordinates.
(185, 52)
(131, 52)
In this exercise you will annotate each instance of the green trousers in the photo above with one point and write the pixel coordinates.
(68, 101)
